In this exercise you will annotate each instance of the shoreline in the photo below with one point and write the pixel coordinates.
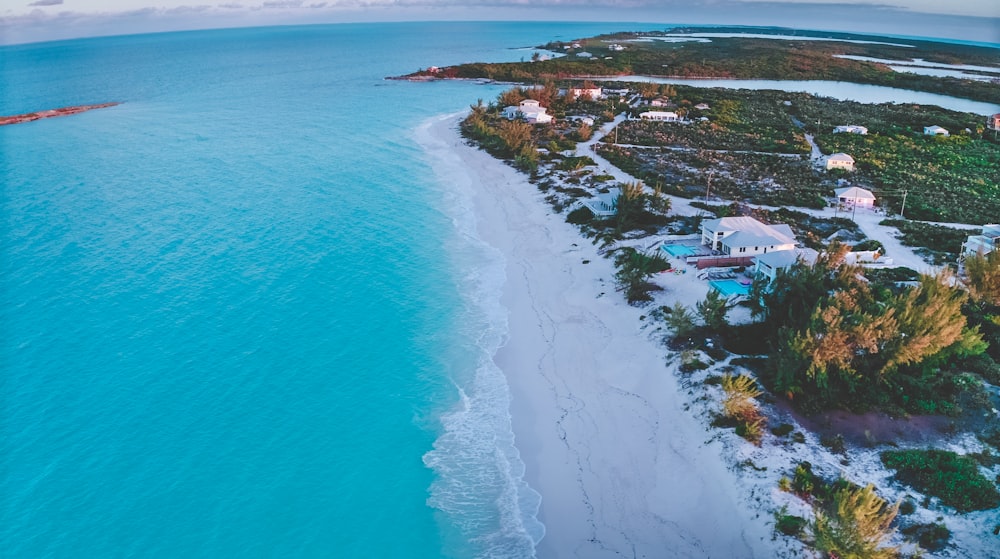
(599, 420)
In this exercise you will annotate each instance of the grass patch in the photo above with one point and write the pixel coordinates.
(953, 478)
(937, 244)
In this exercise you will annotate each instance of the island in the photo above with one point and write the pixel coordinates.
(64, 111)
(822, 275)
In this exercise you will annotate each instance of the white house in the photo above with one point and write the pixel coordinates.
(604, 205)
(745, 236)
(850, 129)
(616, 47)
(665, 116)
(530, 110)
(840, 161)
(661, 102)
(935, 131)
(985, 243)
(702, 106)
(854, 196)
(584, 54)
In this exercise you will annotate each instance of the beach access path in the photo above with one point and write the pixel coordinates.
(623, 468)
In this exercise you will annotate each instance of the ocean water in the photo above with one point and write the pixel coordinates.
(239, 315)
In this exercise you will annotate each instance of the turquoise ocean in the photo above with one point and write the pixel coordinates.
(239, 315)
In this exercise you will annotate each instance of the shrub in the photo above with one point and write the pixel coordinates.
(803, 481)
(932, 537)
(739, 406)
(855, 525)
(580, 216)
(782, 430)
(691, 363)
(680, 320)
(788, 524)
(955, 479)
(907, 507)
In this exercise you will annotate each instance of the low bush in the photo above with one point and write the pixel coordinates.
(932, 537)
(782, 430)
(953, 478)
(788, 524)
(580, 216)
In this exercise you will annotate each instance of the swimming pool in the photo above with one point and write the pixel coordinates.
(730, 287)
(679, 250)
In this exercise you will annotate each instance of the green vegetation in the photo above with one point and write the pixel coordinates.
(680, 320)
(839, 341)
(713, 310)
(931, 536)
(634, 270)
(955, 479)
(953, 179)
(740, 408)
(743, 57)
(855, 525)
(788, 524)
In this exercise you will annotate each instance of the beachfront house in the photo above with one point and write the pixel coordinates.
(745, 236)
(935, 131)
(984, 243)
(854, 196)
(850, 129)
(661, 116)
(605, 204)
(840, 161)
(530, 110)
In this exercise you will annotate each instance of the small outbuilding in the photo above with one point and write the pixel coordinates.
(702, 106)
(854, 196)
(935, 130)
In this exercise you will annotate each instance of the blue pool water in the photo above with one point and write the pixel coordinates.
(679, 250)
(730, 287)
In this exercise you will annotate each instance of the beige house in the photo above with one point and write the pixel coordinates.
(840, 161)
(745, 236)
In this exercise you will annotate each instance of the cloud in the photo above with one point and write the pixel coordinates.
(46, 3)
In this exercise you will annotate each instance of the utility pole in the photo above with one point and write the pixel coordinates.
(903, 207)
(708, 185)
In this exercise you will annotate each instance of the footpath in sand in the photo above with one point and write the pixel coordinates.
(599, 419)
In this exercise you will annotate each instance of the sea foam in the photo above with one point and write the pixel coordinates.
(480, 482)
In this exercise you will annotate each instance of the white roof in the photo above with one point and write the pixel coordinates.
(747, 231)
(785, 258)
(661, 114)
(528, 103)
(854, 193)
(934, 128)
(840, 157)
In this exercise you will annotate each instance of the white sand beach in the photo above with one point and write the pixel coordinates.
(623, 468)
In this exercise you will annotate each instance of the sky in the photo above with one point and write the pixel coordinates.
(23, 21)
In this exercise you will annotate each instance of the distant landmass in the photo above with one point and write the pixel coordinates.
(50, 113)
